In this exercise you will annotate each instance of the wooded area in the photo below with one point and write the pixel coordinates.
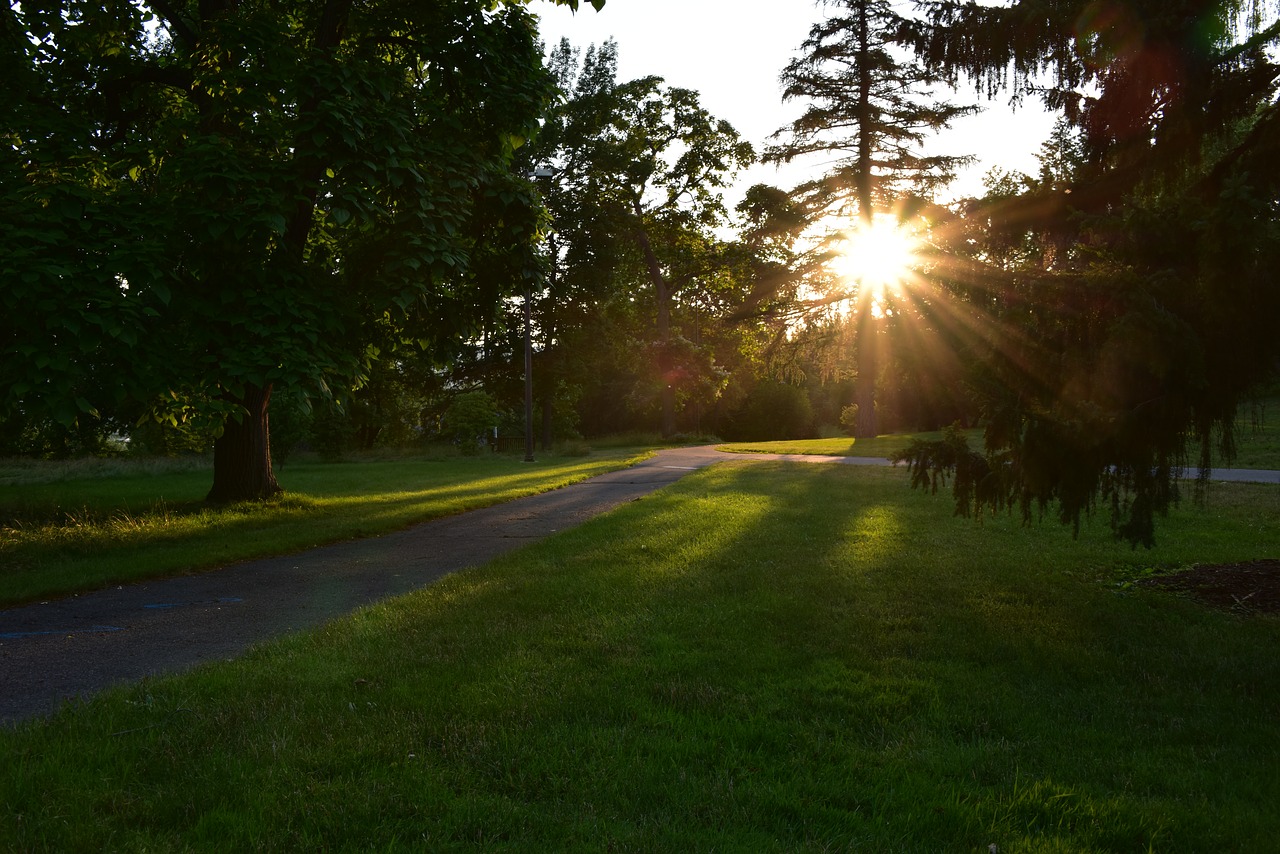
(336, 215)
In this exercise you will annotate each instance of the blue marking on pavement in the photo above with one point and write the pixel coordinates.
(225, 600)
(17, 635)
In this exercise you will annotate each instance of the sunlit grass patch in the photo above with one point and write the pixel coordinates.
(842, 446)
(1257, 443)
(762, 657)
(68, 535)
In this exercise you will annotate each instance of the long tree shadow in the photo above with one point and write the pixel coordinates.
(779, 657)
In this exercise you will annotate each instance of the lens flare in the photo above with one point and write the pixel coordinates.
(878, 256)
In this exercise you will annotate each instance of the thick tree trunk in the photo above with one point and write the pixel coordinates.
(242, 454)
(662, 297)
(867, 426)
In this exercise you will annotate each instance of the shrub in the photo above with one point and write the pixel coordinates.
(469, 419)
(773, 410)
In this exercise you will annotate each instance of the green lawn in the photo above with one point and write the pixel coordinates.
(1258, 437)
(73, 527)
(764, 657)
(1258, 442)
(843, 446)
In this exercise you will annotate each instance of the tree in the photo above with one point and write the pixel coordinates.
(1146, 312)
(872, 105)
(646, 163)
(204, 202)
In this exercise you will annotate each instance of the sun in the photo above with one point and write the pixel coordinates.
(879, 256)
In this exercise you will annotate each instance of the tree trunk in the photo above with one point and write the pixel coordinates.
(242, 454)
(867, 426)
(662, 297)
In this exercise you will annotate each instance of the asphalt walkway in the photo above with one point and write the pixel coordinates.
(63, 649)
(72, 647)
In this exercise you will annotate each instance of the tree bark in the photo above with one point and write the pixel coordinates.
(662, 296)
(867, 426)
(242, 454)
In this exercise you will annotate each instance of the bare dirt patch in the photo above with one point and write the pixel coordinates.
(1247, 588)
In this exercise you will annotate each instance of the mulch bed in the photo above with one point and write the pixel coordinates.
(1248, 588)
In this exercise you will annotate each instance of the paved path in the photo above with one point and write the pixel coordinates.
(75, 646)
(72, 647)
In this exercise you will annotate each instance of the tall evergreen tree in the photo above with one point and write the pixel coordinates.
(1149, 312)
(872, 105)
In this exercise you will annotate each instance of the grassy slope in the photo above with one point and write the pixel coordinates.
(761, 658)
(84, 532)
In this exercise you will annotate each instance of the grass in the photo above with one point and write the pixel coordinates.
(760, 658)
(1258, 437)
(842, 446)
(1258, 442)
(72, 529)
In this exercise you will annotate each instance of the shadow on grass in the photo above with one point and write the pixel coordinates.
(761, 657)
(54, 550)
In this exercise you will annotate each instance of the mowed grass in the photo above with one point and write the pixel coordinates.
(1258, 437)
(88, 527)
(1257, 443)
(842, 446)
(763, 657)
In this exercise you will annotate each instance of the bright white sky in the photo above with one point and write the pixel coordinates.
(732, 51)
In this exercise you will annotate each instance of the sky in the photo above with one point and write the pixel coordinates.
(732, 51)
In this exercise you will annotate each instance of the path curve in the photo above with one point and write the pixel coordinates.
(73, 647)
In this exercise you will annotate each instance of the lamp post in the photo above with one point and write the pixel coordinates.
(547, 172)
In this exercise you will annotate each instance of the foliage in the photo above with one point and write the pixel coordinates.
(871, 102)
(872, 105)
(1120, 305)
(772, 410)
(471, 417)
(202, 202)
(635, 203)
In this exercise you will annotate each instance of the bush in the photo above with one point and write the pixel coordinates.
(773, 410)
(469, 419)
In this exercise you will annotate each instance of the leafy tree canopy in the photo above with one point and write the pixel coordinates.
(641, 167)
(203, 201)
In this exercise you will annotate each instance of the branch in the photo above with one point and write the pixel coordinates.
(178, 26)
